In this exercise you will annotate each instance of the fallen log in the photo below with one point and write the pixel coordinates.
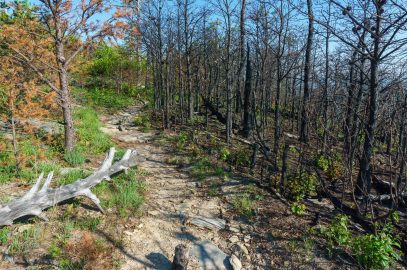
(217, 114)
(36, 200)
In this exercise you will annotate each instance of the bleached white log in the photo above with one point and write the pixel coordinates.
(36, 200)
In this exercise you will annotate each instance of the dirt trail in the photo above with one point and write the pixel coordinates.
(173, 199)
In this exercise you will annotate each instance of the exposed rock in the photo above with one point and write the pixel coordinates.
(210, 223)
(153, 213)
(181, 257)
(234, 239)
(210, 256)
(238, 249)
(235, 262)
(234, 229)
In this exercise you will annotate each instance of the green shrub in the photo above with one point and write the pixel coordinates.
(143, 121)
(74, 157)
(298, 209)
(181, 140)
(244, 205)
(378, 251)
(224, 154)
(322, 163)
(337, 232)
(300, 185)
(239, 157)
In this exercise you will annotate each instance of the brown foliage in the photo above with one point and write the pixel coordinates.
(94, 254)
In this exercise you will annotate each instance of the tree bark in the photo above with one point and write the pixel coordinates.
(307, 73)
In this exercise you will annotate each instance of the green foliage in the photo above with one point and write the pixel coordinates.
(337, 232)
(224, 154)
(103, 98)
(143, 121)
(48, 167)
(181, 140)
(300, 185)
(88, 223)
(67, 264)
(54, 250)
(372, 251)
(214, 190)
(298, 209)
(24, 241)
(255, 192)
(244, 205)
(239, 157)
(125, 193)
(378, 251)
(91, 139)
(322, 163)
(74, 157)
(4, 235)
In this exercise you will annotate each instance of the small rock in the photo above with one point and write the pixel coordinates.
(141, 225)
(247, 238)
(235, 262)
(128, 233)
(153, 213)
(234, 239)
(286, 263)
(181, 256)
(8, 258)
(239, 249)
(234, 229)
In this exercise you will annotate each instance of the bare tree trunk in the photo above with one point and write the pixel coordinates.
(247, 122)
(365, 178)
(307, 71)
(65, 95)
(325, 108)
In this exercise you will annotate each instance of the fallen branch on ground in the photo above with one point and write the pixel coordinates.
(36, 200)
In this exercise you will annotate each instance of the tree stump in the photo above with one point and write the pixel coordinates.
(181, 257)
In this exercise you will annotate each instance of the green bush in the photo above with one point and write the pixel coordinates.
(322, 163)
(244, 205)
(301, 185)
(372, 251)
(377, 252)
(337, 232)
(143, 121)
(181, 140)
(239, 157)
(298, 209)
(224, 154)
